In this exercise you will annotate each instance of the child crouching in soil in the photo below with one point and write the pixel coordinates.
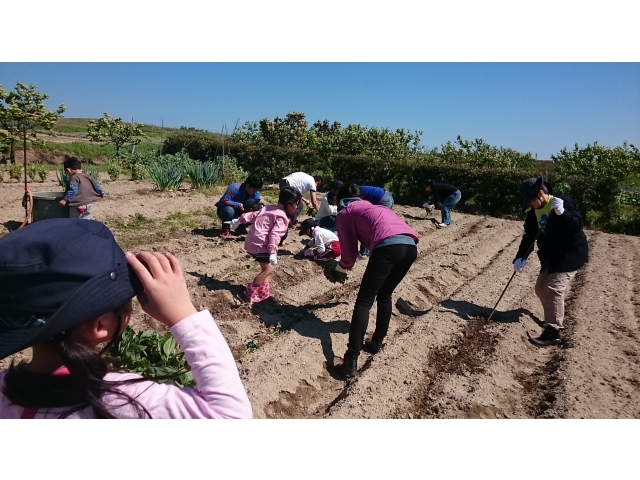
(324, 244)
(270, 224)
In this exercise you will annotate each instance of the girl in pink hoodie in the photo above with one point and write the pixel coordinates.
(269, 226)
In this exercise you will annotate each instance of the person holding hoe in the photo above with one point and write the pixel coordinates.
(445, 197)
(393, 246)
(556, 224)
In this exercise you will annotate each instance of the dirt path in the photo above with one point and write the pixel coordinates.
(441, 357)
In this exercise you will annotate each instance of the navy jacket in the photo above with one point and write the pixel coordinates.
(440, 191)
(562, 247)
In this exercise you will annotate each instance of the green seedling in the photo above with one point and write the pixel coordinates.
(252, 346)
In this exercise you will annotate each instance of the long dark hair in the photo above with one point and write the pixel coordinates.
(83, 387)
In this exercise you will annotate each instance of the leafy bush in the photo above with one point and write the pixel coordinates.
(150, 355)
(37, 170)
(204, 174)
(114, 169)
(15, 171)
(629, 198)
(231, 171)
(166, 176)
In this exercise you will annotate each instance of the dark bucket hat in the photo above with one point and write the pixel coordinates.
(307, 224)
(529, 189)
(56, 274)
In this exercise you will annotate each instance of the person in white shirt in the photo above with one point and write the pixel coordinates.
(303, 183)
(329, 208)
(324, 244)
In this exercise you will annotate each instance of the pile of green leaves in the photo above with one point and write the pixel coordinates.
(331, 274)
(204, 174)
(152, 356)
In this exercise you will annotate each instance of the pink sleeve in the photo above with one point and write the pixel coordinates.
(348, 241)
(249, 217)
(276, 232)
(219, 393)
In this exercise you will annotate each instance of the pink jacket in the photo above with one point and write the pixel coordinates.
(218, 394)
(269, 226)
(361, 221)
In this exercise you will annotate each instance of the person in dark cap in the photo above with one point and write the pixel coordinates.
(445, 197)
(324, 244)
(66, 288)
(555, 223)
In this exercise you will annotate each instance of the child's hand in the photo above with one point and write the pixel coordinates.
(165, 296)
(62, 203)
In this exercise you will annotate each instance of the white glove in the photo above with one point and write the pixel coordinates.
(427, 205)
(558, 205)
(273, 259)
(309, 252)
(233, 224)
(519, 264)
(341, 270)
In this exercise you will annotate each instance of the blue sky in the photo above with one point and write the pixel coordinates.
(531, 107)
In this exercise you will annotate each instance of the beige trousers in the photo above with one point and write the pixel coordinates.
(551, 290)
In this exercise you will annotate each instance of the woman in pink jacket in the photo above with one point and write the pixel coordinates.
(393, 250)
(269, 226)
(65, 289)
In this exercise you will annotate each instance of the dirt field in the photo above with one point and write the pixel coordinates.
(441, 358)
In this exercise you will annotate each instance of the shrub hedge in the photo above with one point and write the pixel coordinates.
(491, 191)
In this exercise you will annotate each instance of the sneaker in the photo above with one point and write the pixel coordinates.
(362, 257)
(441, 225)
(550, 336)
(225, 234)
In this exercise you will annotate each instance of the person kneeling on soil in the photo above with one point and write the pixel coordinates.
(556, 224)
(329, 207)
(445, 197)
(238, 198)
(324, 244)
(393, 250)
(270, 224)
(66, 288)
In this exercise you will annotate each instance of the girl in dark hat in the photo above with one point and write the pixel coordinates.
(66, 289)
(555, 224)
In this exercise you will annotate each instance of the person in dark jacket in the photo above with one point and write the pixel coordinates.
(445, 197)
(239, 198)
(556, 224)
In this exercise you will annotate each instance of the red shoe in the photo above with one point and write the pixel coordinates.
(252, 293)
(225, 234)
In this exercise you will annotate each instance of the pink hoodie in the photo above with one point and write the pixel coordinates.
(218, 393)
(269, 226)
(360, 221)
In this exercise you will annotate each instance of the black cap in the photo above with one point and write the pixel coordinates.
(529, 189)
(307, 224)
(336, 185)
(56, 274)
(428, 182)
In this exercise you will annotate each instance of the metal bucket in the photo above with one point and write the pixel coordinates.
(45, 205)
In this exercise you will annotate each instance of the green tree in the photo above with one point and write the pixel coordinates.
(598, 162)
(290, 131)
(115, 131)
(480, 154)
(24, 114)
